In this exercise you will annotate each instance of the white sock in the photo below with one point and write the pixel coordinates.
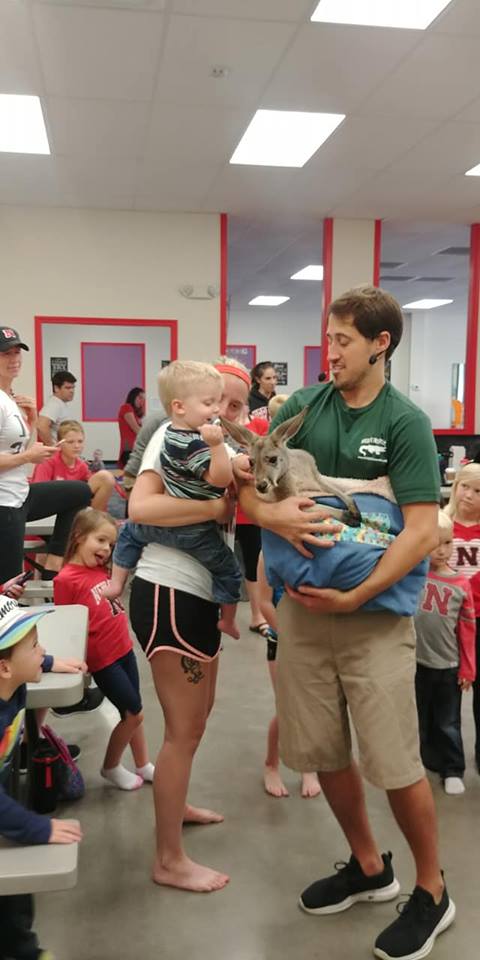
(146, 772)
(122, 778)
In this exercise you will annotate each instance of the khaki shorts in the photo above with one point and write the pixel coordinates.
(364, 660)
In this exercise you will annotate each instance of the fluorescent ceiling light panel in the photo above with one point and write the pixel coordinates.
(22, 127)
(474, 172)
(314, 271)
(267, 301)
(284, 138)
(406, 14)
(425, 304)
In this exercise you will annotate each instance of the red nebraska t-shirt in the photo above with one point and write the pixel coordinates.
(108, 634)
(56, 469)
(466, 557)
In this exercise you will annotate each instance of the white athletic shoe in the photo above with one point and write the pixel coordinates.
(454, 786)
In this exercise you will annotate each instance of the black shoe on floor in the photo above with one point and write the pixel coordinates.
(90, 701)
(412, 935)
(348, 886)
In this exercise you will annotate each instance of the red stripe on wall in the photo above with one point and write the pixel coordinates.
(327, 287)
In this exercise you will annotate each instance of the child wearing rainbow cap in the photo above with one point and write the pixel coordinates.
(22, 661)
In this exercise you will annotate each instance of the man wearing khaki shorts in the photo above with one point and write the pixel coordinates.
(333, 653)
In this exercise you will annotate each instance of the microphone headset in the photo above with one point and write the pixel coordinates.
(322, 377)
(375, 356)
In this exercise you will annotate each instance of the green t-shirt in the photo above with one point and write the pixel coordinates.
(389, 436)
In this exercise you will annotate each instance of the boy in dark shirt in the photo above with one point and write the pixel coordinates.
(22, 661)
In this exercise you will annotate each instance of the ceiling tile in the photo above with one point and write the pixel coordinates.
(194, 45)
(206, 133)
(333, 68)
(27, 179)
(93, 184)
(19, 71)
(374, 142)
(452, 149)
(96, 127)
(439, 78)
(253, 191)
(461, 18)
(173, 185)
(293, 10)
(109, 54)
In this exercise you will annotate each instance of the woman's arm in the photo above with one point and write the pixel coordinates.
(37, 453)
(150, 504)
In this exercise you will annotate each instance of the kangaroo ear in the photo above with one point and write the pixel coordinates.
(288, 428)
(238, 433)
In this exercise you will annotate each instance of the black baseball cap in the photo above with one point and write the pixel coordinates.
(10, 338)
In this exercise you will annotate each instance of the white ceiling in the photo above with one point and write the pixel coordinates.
(135, 120)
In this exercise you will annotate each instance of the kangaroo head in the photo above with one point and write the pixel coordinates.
(269, 457)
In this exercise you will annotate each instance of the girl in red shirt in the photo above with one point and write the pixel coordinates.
(110, 655)
(464, 509)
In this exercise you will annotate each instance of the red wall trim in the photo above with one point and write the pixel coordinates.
(472, 329)
(377, 246)
(223, 282)
(94, 321)
(327, 287)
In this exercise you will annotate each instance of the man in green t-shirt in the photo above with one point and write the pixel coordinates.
(332, 654)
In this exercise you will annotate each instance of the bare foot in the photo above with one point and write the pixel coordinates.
(273, 783)
(310, 785)
(201, 815)
(230, 627)
(187, 875)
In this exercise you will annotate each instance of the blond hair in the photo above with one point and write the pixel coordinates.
(470, 473)
(233, 362)
(445, 524)
(180, 378)
(67, 425)
(85, 522)
(275, 403)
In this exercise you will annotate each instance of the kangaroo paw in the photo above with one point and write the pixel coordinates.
(352, 518)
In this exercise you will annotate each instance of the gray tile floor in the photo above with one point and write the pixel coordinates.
(271, 848)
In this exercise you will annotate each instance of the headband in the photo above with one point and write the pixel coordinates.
(234, 372)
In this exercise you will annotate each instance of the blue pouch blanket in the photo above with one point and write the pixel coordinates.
(356, 552)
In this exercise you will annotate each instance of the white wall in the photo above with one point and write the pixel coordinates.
(279, 334)
(63, 340)
(422, 364)
(94, 263)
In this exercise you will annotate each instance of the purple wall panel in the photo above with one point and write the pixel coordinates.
(312, 365)
(109, 371)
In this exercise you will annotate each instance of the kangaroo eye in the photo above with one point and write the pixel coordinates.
(272, 459)
(251, 462)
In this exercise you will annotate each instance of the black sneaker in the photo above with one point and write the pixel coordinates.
(90, 701)
(412, 935)
(349, 885)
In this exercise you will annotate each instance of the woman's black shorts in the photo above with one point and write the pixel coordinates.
(167, 619)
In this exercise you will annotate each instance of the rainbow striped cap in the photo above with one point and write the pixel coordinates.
(16, 622)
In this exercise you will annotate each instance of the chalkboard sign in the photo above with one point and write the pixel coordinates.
(281, 369)
(57, 365)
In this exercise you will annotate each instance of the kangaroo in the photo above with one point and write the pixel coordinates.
(280, 473)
